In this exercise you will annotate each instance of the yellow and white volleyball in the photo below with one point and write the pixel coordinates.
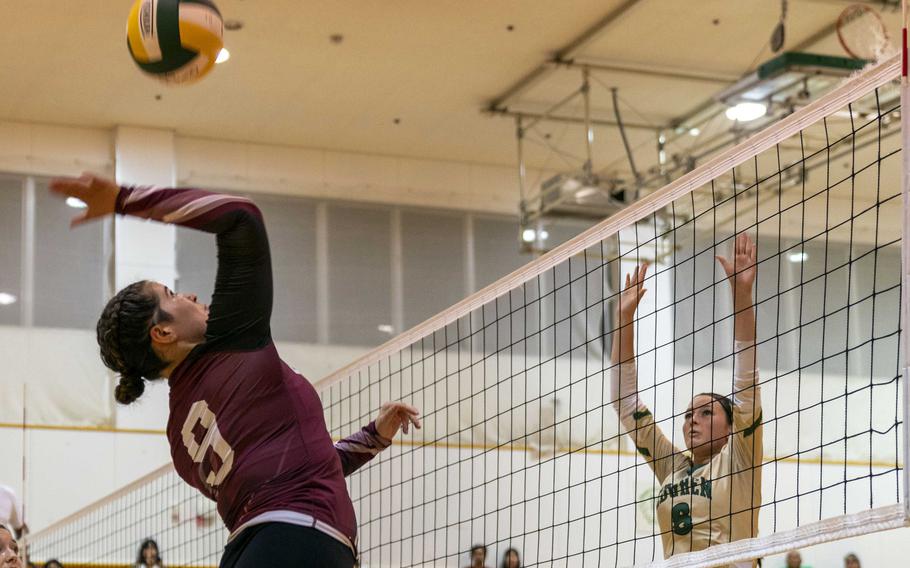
(175, 41)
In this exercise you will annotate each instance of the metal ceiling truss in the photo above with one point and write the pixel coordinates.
(594, 194)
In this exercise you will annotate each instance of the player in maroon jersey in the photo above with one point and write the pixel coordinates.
(244, 429)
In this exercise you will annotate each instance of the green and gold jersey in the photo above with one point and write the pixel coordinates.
(701, 505)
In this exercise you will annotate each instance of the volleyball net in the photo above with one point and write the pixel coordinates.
(520, 446)
(109, 532)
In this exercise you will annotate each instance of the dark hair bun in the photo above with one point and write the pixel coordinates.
(129, 389)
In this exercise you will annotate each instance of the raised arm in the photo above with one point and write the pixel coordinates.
(634, 416)
(741, 270)
(242, 301)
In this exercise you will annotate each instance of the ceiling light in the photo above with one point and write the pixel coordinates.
(528, 235)
(75, 203)
(694, 131)
(7, 299)
(746, 111)
(223, 55)
(544, 234)
(798, 257)
(386, 328)
(586, 192)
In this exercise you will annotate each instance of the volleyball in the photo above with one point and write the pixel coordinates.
(175, 41)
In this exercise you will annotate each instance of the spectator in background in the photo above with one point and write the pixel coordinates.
(510, 559)
(9, 549)
(478, 556)
(795, 560)
(149, 557)
(53, 563)
(11, 511)
(852, 561)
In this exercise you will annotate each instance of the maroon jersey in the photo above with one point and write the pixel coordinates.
(244, 428)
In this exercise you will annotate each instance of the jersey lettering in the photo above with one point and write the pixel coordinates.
(211, 440)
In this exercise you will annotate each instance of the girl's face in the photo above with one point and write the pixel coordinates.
(706, 428)
(150, 554)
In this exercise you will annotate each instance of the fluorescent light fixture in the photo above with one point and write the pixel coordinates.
(75, 203)
(531, 235)
(7, 299)
(223, 55)
(746, 111)
(386, 328)
(586, 192)
(694, 131)
(570, 185)
(798, 257)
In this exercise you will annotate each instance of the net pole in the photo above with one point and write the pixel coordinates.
(905, 252)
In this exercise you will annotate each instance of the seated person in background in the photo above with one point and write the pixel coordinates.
(149, 557)
(510, 559)
(53, 563)
(795, 560)
(478, 556)
(852, 561)
(9, 549)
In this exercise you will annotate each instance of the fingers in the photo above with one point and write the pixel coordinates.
(401, 407)
(70, 187)
(408, 418)
(404, 414)
(637, 278)
(79, 220)
(744, 244)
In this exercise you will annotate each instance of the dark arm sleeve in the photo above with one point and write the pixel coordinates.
(242, 301)
(360, 448)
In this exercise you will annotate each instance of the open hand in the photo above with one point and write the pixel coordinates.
(99, 195)
(395, 415)
(741, 267)
(632, 293)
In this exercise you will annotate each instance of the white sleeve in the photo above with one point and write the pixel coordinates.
(747, 411)
(637, 421)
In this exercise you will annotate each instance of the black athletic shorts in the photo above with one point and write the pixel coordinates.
(282, 545)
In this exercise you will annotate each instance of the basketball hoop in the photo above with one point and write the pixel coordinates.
(862, 33)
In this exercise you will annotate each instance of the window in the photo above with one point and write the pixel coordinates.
(433, 259)
(70, 266)
(496, 249)
(360, 275)
(291, 224)
(11, 251)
